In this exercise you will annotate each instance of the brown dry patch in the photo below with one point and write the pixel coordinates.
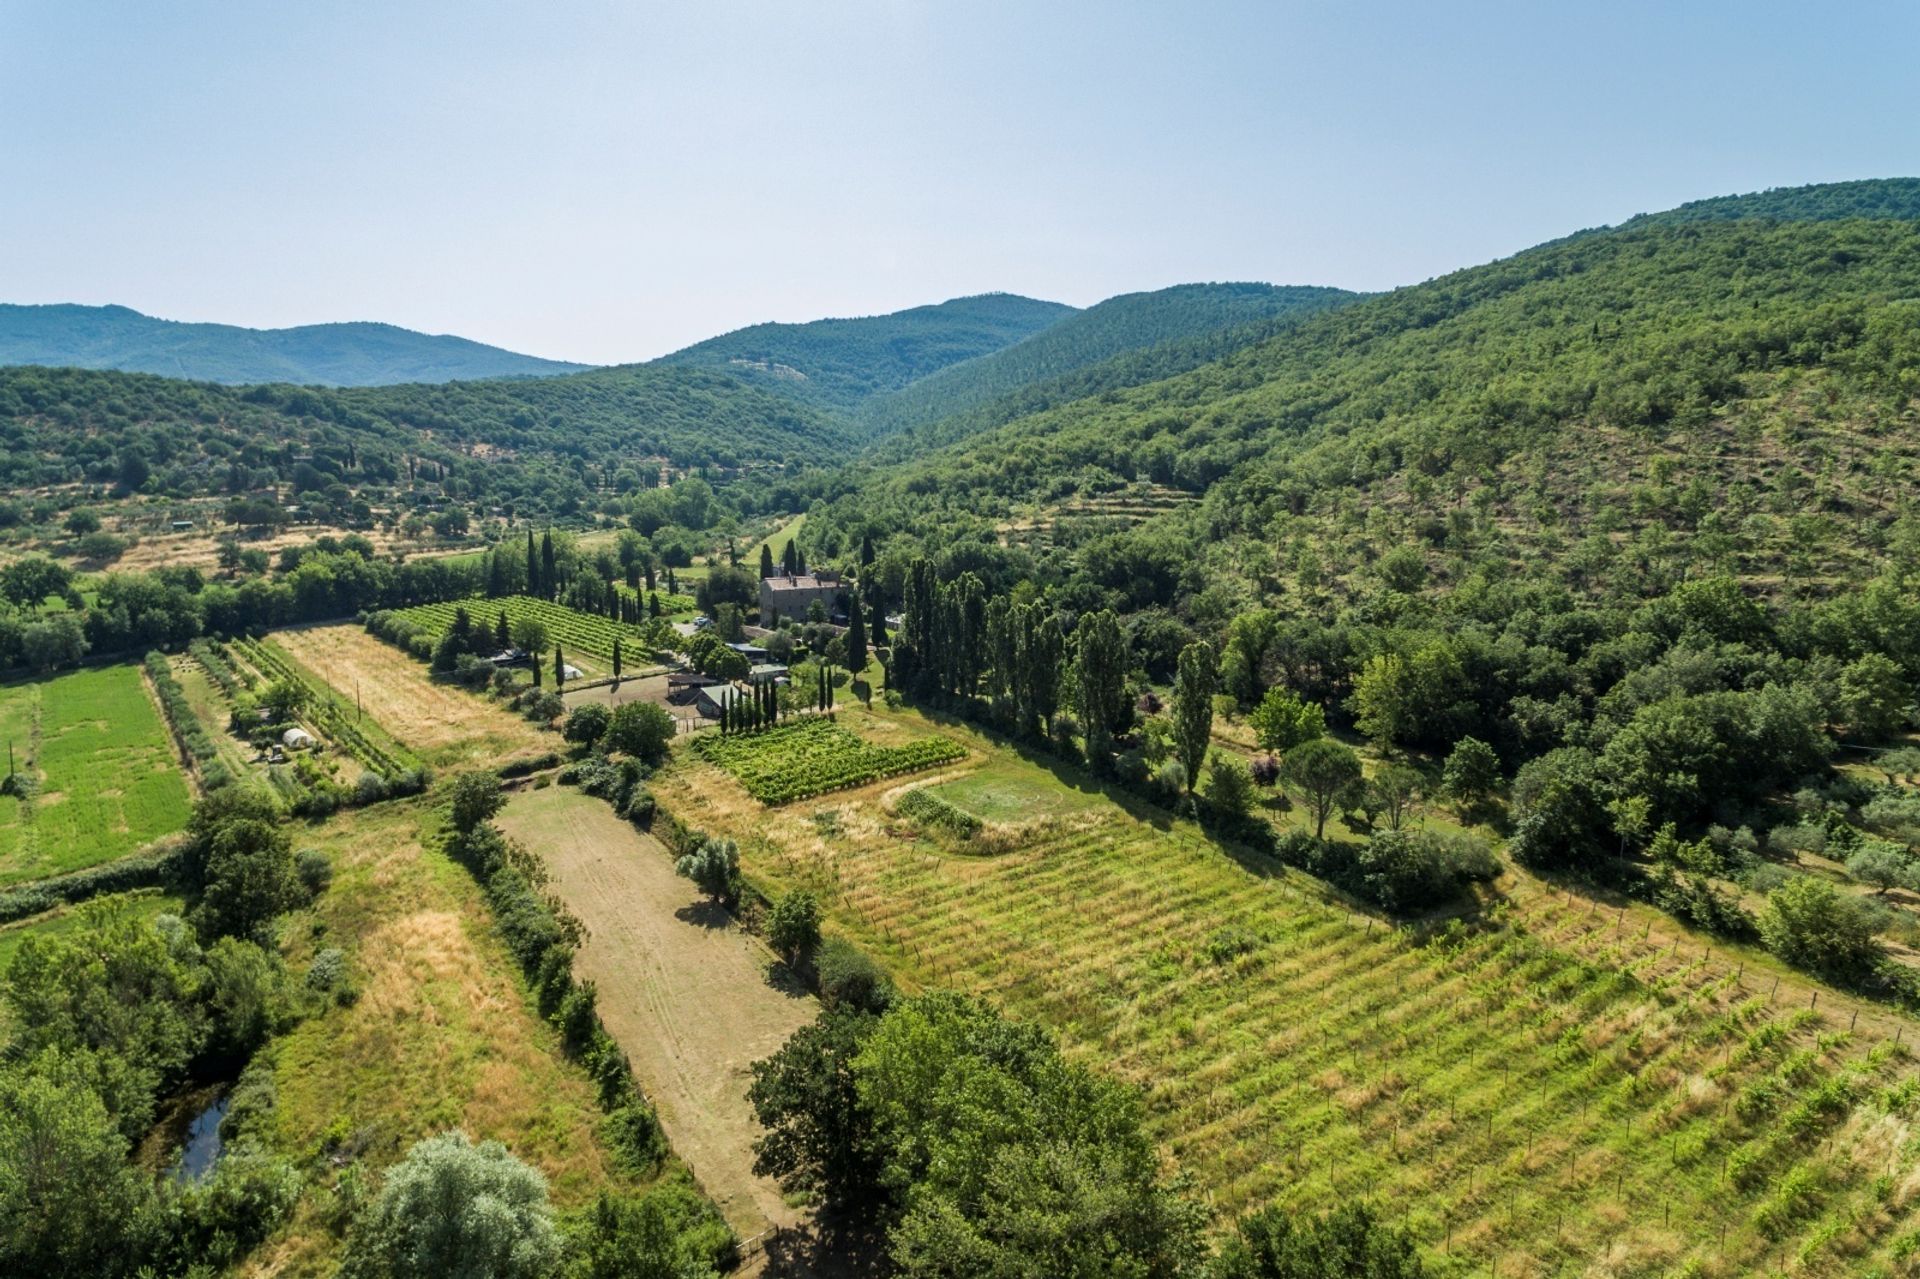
(682, 989)
(449, 725)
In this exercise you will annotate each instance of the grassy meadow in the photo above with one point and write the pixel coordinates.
(108, 780)
(443, 1033)
(1561, 1085)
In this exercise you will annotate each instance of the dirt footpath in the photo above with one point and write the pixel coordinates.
(682, 989)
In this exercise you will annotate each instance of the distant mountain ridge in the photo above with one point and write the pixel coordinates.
(840, 363)
(120, 339)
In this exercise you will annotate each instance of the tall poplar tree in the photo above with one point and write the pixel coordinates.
(1101, 653)
(1193, 687)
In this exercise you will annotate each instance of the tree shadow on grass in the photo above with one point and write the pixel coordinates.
(820, 1250)
(788, 980)
(705, 913)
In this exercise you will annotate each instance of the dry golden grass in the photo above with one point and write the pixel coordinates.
(442, 1035)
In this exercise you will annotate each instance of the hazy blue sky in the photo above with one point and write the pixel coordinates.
(609, 182)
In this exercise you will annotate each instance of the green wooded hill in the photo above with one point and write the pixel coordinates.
(524, 440)
(1042, 370)
(1683, 375)
(839, 363)
(114, 337)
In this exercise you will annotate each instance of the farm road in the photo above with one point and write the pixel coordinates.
(682, 989)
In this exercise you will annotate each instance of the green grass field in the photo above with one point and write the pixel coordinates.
(1552, 1088)
(109, 781)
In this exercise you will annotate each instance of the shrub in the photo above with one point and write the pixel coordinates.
(1229, 787)
(454, 1210)
(1417, 870)
(1808, 923)
(793, 926)
(850, 979)
(587, 724)
(143, 870)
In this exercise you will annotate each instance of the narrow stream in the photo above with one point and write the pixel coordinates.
(202, 1149)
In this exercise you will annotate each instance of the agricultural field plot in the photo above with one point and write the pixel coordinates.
(109, 780)
(1553, 1090)
(333, 717)
(816, 755)
(682, 989)
(1011, 790)
(586, 640)
(442, 1034)
(443, 725)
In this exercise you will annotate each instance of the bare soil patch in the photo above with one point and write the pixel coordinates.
(446, 725)
(682, 989)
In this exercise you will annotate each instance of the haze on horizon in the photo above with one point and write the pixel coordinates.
(607, 183)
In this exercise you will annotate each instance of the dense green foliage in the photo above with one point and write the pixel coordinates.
(534, 444)
(114, 337)
(839, 363)
(1015, 379)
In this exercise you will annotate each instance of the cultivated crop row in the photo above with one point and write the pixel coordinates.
(816, 755)
(574, 631)
(1517, 1103)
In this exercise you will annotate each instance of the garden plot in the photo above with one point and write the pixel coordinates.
(815, 755)
(446, 726)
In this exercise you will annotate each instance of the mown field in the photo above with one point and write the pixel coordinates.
(108, 780)
(1562, 1086)
(378, 688)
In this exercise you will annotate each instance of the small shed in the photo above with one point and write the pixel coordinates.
(568, 671)
(296, 739)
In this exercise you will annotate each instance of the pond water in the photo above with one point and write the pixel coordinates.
(202, 1149)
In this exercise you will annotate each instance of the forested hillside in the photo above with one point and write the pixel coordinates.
(838, 363)
(1733, 391)
(540, 443)
(114, 337)
(1017, 379)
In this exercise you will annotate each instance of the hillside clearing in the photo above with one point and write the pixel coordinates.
(682, 989)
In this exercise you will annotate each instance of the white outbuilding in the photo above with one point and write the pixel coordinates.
(296, 739)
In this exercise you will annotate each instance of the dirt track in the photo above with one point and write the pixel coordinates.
(682, 989)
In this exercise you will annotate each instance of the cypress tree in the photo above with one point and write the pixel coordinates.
(533, 566)
(653, 604)
(766, 561)
(548, 580)
(649, 573)
(559, 668)
(616, 658)
(733, 555)
(866, 549)
(786, 558)
(502, 632)
(799, 561)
